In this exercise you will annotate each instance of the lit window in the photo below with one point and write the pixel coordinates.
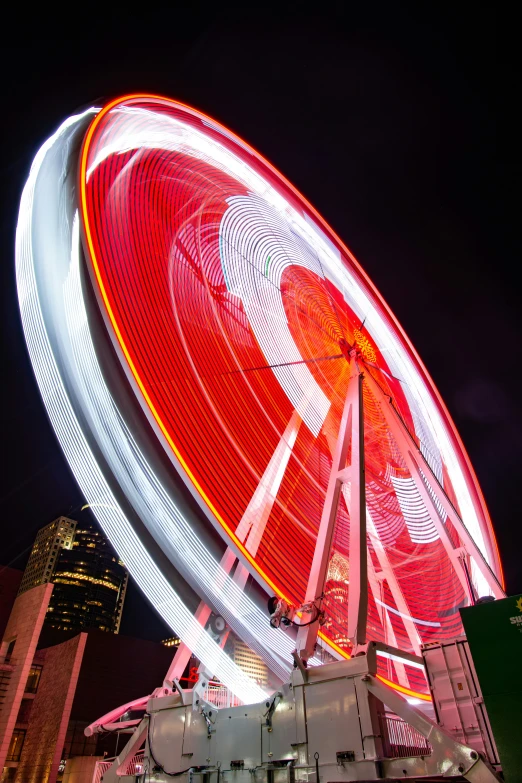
(33, 679)
(15, 746)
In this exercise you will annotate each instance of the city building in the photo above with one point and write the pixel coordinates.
(10, 579)
(17, 655)
(90, 582)
(48, 544)
(172, 641)
(251, 663)
(89, 579)
(52, 693)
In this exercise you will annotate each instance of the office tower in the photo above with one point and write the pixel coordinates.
(89, 579)
(89, 584)
(49, 542)
(251, 663)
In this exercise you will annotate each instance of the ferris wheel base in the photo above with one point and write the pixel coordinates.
(331, 724)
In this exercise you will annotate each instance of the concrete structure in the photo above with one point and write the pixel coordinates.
(42, 752)
(80, 769)
(10, 579)
(49, 542)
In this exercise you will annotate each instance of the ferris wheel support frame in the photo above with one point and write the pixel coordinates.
(202, 615)
(418, 465)
(352, 425)
(351, 430)
(387, 574)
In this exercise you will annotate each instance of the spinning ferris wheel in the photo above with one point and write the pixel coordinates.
(237, 402)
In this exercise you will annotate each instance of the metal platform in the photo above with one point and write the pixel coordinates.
(329, 724)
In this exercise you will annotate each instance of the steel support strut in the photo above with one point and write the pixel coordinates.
(418, 466)
(358, 587)
(449, 758)
(249, 531)
(351, 425)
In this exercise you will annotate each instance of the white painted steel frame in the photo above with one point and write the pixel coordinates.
(351, 430)
(418, 466)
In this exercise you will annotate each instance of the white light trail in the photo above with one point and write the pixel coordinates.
(30, 253)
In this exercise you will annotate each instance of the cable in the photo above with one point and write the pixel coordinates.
(284, 364)
(313, 620)
(310, 622)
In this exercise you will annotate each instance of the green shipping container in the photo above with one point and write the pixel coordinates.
(494, 633)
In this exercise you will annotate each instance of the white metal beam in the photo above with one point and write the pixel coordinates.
(416, 462)
(350, 425)
(250, 530)
(358, 587)
(393, 583)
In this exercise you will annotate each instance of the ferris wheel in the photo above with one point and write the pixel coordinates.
(239, 405)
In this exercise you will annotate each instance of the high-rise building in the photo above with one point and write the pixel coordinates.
(89, 579)
(172, 641)
(49, 542)
(251, 663)
(89, 584)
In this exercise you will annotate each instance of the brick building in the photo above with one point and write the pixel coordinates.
(53, 691)
(10, 579)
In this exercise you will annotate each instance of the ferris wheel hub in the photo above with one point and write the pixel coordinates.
(347, 350)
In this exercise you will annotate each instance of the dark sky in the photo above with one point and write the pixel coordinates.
(391, 120)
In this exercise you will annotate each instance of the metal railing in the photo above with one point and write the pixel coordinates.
(100, 768)
(221, 697)
(134, 766)
(401, 740)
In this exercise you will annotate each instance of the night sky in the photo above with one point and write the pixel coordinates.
(391, 120)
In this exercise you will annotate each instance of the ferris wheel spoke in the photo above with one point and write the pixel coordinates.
(252, 525)
(419, 468)
(284, 364)
(391, 639)
(393, 583)
(380, 369)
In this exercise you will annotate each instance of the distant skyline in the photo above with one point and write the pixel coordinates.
(391, 121)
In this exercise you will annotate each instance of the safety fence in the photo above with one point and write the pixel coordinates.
(401, 740)
(221, 697)
(100, 769)
(133, 766)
